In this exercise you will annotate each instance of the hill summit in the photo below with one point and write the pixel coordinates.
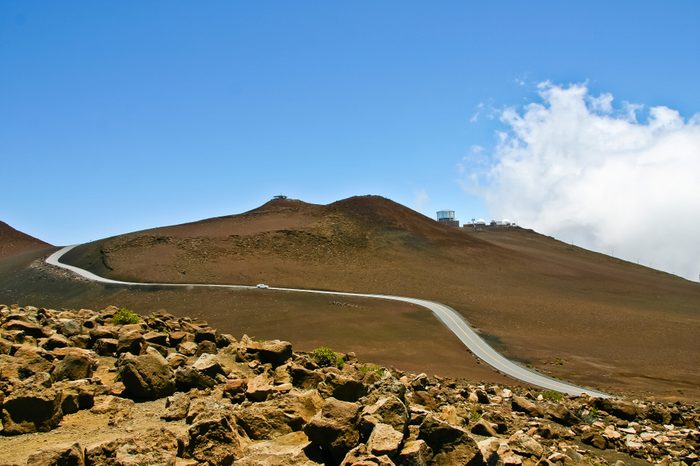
(527, 293)
(14, 242)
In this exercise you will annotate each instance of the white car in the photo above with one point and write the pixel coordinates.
(262, 286)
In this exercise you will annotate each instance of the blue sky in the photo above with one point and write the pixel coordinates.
(117, 116)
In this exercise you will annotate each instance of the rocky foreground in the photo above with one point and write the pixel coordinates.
(112, 388)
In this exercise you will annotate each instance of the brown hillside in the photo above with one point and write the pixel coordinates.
(14, 242)
(577, 314)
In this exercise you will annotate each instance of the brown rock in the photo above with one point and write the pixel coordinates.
(56, 341)
(214, 441)
(522, 404)
(235, 389)
(130, 342)
(334, 429)
(74, 366)
(361, 456)
(280, 416)
(70, 454)
(525, 445)
(105, 346)
(259, 388)
(440, 435)
(176, 407)
(562, 415)
(146, 377)
(484, 428)
(389, 410)
(385, 440)
(28, 410)
(156, 447)
(415, 453)
(287, 450)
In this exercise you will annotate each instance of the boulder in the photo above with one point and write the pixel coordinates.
(146, 377)
(69, 454)
(187, 378)
(525, 445)
(304, 378)
(188, 348)
(156, 338)
(388, 410)
(561, 414)
(280, 416)
(176, 407)
(209, 365)
(484, 428)
(275, 352)
(342, 388)
(415, 453)
(594, 439)
(523, 405)
(618, 408)
(155, 447)
(31, 410)
(105, 346)
(361, 456)
(74, 366)
(31, 360)
(287, 450)
(206, 347)
(77, 396)
(334, 429)
(439, 434)
(235, 389)
(385, 440)
(130, 342)
(205, 334)
(70, 327)
(214, 441)
(56, 341)
(31, 329)
(259, 388)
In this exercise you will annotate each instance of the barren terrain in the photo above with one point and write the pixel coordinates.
(579, 315)
(14, 242)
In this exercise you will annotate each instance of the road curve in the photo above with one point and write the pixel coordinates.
(453, 320)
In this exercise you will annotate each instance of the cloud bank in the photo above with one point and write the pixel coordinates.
(579, 168)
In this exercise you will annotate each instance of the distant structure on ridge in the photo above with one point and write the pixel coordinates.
(447, 217)
(280, 196)
(480, 224)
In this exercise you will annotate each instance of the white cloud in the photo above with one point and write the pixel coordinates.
(421, 200)
(575, 167)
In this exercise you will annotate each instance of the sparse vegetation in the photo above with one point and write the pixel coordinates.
(475, 413)
(367, 368)
(552, 395)
(326, 357)
(125, 316)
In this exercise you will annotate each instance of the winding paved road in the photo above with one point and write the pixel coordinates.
(454, 321)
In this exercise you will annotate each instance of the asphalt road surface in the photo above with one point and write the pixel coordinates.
(453, 320)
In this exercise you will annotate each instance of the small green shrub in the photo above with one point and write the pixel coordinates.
(552, 395)
(326, 357)
(125, 316)
(367, 368)
(475, 413)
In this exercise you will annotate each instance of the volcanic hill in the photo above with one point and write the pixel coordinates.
(579, 315)
(13, 242)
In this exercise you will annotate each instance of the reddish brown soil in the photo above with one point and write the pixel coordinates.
(578, 315)
(13, 242)
(389, 333)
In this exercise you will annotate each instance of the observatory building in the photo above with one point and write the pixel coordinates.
(447, 217)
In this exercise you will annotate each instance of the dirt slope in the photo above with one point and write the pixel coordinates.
(576, 314)
(13, 242)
